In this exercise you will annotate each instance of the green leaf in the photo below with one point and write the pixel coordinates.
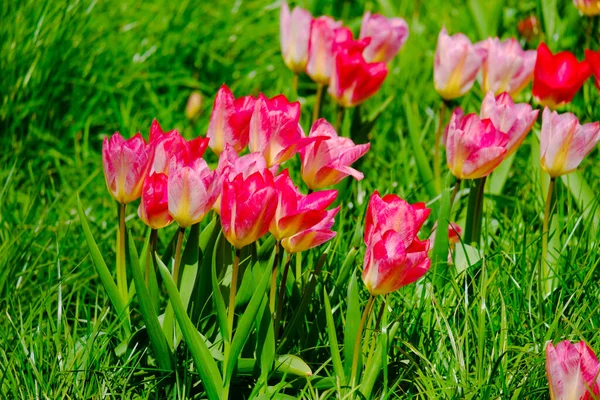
(206, 365)
(217, 296)
(189, 266)
(439, 255)
(334, 348)
(378, 361)
(486, 15)
(583, 194)
(203, 291)
(550, 18)
(149, 315)
(102, 270)
(499, 176)
(289, 364)
(265, 345)
(353, 314)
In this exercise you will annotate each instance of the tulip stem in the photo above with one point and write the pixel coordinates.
(436, 149)
(273, 291)
(121, 267)
(357, 348)
(339, 118)
(475, 212)
(318, 99)
(295, 83)
(547, 217)
(454, 192)
(177, 262)
(151, 250)
(232, 292)
(282, 286)
(376, 329)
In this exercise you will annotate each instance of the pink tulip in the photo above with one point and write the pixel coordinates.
(154, 207)
(516, 120)
(564, 142)
(507, 67)
(388, 35)
(325, 36)
(275, 130)
(353, 79)
(126, 164)
(193, 189)
(327, 161)
(456, 65)
(572, 371)
(474, 147)
(229, 121)
(301, 222)
(395, 256)
(294, 34)
(247, 207)
(588, 7)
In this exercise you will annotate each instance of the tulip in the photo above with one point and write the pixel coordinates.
(456, 65)
(529, 28)
(388, 35)
(154, 207)
(301, 222)
(327, 161)
(572, 370)
(126, 164)
(229, 121)
(248, 205)
(395, 256)
(353, 79)
(325, 35)
(588, 7)
(474, 147)
(294, 34)
(193, 107)
(275, 130)
(593, 58)
(557, 77)
(516, 120)
(507, 67)
(564, 142)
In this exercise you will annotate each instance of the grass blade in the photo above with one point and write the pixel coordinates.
(336, 360)
(353, 314)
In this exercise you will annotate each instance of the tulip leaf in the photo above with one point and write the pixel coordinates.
(189, 266)
(499, 176)
(352, 323)
(203, 288)
(205, 363)
(217, 296)
(292, 365)
(550, 18)
(376, 363)
(105, 277)
(584, 196)
(149, 315)
(439, 255)
(265, 346)
(334, 348)
(486, 15)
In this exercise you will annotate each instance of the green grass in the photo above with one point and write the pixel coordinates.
(74, 72)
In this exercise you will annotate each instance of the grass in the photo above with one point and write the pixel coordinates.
(73, 72)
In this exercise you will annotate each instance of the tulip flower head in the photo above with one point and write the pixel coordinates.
(456, 65)
(388, 35)
(325, 36)
(557, 77)
(395, 256)
(193, 108)
(327, 161)
(593, 58)
(154, 207)
(353, 79)
(294, 34)
(564, 142)
(516, 120)
(588, 7)
(274, 129)
(126, 164)
(507, 67)
(529, 28)
(301, 222)
(474, 147)
(572, 370)
(229, 121)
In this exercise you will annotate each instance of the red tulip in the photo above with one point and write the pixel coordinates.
(301, 222)
(353, 79)
(327, 161)
(325, 36)
(572, 371)
(474, 147)
(388, 35)
(395, 256)
(516, 120)
(294, 34)
(154, 207)
(229, 121)
(126, 164)
(588, 7)
(167, 145)
(529, 28)
(558, 77)
(593, 58)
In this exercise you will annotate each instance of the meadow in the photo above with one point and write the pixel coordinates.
(73, 73)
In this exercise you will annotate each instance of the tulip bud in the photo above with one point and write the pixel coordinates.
(154, 207)
(395, 256)
(564, 142)
(456, 65)
(588, 7)
(294, 34)
(126, 164)
(388, 35)
(572, 371)
(529, 28)
(327, 160)
(557, 77)
(474, 147)
(193, 107)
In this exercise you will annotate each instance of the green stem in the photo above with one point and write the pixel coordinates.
(375, 329)
(339, 118)
(178, 246)
(475, 212)
(295, 83)
(318, 100)
(454, 192)
(282, 286)
(357, 348)
(273, 291)
(121, 266)
(547, 217)
(232, 292)
(149, 253)
(436, 149)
